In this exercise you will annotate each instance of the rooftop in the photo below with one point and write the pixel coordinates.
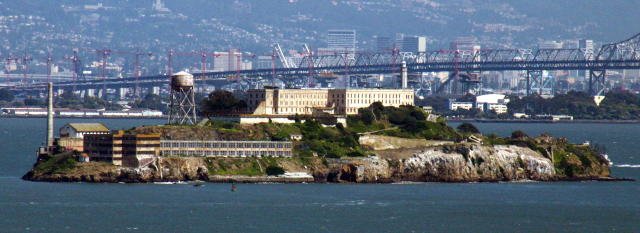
(89, 127)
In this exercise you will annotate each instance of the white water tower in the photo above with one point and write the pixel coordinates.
(182, 106)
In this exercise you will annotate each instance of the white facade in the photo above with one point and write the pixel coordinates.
(308, 101)
(414, 44)
(78, 130)
(498, 108)
(492, 99)
(460, 105)
(341, 40)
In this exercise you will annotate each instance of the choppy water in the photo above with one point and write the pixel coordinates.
(424, 207)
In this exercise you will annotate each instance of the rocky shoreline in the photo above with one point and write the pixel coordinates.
(464, 162)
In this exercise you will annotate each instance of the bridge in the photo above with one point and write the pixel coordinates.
(621, 55)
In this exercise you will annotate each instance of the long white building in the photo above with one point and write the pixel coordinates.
(333, 101)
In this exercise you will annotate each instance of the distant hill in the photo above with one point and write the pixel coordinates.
(255, 24)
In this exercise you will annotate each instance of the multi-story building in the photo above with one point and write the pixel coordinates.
(453, 105)
(226, 148)
(230, 61)
(383, 43)
(264, 62)
(498, 108)
(137, 150)
(414, 44)
(587, 47)
(333, 101)
(78, 130)
(122, 149)
(72, 134)
(341, 40)
(104, 148)
(495, 102)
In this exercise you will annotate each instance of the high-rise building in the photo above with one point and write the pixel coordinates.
(264, 62)
(226, 61)
(587, 47)
(415, 44)
(397, 44)
(341, 40)
(383, 43)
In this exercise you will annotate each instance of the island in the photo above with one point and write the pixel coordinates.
(379, 144)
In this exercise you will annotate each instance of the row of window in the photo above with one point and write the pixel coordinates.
(187, 144)
(305, 96)
(305, 103)
(228, 153)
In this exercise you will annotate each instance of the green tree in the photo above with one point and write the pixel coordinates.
(467, 98)
(6, 95)
(30, 101)
(518, 134)
(222, 102)
(68, 100)
(468, 128)
(150, 101)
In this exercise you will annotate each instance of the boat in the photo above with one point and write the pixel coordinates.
(233, 187)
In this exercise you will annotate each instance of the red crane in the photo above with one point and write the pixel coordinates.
(14, 59)
(75, 63)
(238, 55)
(49, 61)
(136, 67)
(104, 53)
(202, 54)
(394, 58)
(24, 60)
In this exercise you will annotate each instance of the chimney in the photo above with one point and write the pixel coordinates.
(405, 74)
(50, 115)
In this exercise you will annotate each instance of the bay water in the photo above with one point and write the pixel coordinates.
(412, 207)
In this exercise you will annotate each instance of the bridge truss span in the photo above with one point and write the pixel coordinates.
(621, 55)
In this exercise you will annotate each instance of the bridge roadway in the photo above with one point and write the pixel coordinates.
(221, 77)
(621, 55)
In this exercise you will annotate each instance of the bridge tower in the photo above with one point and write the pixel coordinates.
(597, 82)
(182, 106)
(534, 81)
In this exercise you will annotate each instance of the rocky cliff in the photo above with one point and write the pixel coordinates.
(462, 162)
(452, 163)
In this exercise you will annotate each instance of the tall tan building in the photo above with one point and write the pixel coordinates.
(122, 149)
(335, 101)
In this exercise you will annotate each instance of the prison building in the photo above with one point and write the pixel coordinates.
(139, 149)
(226, 148)
(272, 101)
(103, 148)
(122, 149)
